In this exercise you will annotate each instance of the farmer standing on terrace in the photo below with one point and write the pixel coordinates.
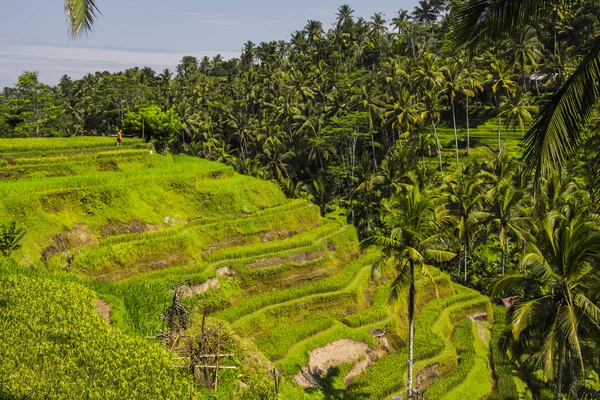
(119, 138)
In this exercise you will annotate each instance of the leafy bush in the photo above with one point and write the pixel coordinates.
(54, 345)
(10, 238)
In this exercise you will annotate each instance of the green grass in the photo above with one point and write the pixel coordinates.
(505, 387)
(463, 339)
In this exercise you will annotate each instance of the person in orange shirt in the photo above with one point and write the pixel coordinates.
(119, 138)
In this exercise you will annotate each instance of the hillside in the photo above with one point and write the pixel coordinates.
(110, 233)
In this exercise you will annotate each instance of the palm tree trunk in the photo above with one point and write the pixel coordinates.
(459, 266)
(437, 145)
(374, 156)
(503, 259)
(466, 262)
(499, 135)
(558, 394)
(455, 133)
(422, 148)
(411, 327)
(468, 133)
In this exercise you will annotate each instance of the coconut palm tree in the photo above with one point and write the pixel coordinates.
(404, 114)
(472, 84)
(81, 15)
(527, 49)
(465, 194)
(453, 85)
(517, 112)
(562, 283)
(432, 103)
(509, 216)
(344, 16)
(502, 81)
(561, 126)
(413, 234)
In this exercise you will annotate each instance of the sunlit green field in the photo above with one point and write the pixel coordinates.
(136, 223)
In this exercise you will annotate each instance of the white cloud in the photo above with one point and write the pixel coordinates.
(53, 61)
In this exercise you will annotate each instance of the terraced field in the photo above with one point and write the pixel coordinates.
(125, 225)
(483, 139)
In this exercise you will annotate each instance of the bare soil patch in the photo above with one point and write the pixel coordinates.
(104, 310)
(193, 290)
(304, 257)
(306, 276)
(334, 354)
(226, 271)
(427, 375)
(275, 234)
(114, 228)
(79, 235)
(265, 262)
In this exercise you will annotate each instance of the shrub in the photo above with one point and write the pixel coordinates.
(10, 237)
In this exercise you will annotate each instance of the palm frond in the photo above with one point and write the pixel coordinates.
(400, 285)
(473, 22)
(591, 310)
(81, 15)
(507, 282)
(560, 127)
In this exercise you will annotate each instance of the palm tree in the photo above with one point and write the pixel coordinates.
(453, 85)
(560, 128)
(472, 84)
(527, 49)
(509, 216)
(431, 101)
(562, 282)
(414, 234)
(517, 111)
(465, 195)
(370, 100)
(425, 12)
(502, 80)
(344, 15)
(81, 15)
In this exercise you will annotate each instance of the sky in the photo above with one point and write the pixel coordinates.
(154, 33)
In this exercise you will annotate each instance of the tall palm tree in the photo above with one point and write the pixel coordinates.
(464, 192)
(81, 15)
(509, 216)
(527, 49)
(426, 12)
(414, 234)
(432, 103)
(562, 282)
(370, 100)
(472, 84)
(344, 15)
(502, 81)
(517, 111)
(404, 114)
(453, 85)
(561, 126)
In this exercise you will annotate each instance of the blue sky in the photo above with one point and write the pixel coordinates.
(156, 33)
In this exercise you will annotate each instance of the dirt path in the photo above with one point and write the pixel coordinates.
(104, 310)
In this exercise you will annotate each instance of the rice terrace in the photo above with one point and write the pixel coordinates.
(402, 208)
